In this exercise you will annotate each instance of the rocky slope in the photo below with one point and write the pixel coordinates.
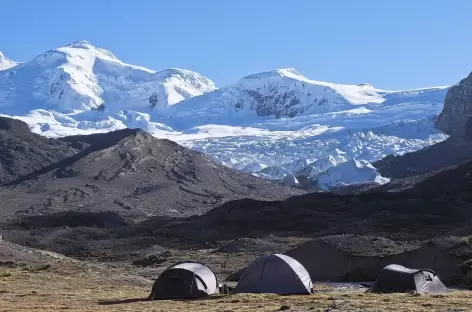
(457, 107)
(454, 120)
(421, 206)
(128, 171)
(23, 152)
(454, 181)
(435, 157)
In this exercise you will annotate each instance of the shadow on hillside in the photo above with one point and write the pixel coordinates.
(123, 301)
(133, 300)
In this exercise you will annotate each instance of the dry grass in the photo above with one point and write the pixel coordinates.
(23, 290)
(468, 240)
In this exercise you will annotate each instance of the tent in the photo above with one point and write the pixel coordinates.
(185, 280)
(397, 278)
(279, 274)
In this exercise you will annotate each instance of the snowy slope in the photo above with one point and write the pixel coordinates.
(278, 124)
(5, 62)
(80, 76)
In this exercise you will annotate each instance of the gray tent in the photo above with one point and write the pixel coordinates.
(185, 280)
(397, 278)
(279, 274)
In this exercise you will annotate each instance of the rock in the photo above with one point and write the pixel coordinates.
(7, 263)
(468, 130)
(13, 125)
(457, 108)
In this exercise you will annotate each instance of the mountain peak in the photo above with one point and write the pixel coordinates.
(289, 72)
(281, 72)
(80, 44)
(85, 45)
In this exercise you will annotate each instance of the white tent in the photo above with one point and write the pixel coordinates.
(185, 280)
(396, 278)
(279, 274)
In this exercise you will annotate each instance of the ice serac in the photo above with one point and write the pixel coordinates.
(313, 169)
(351, 172)
(457, 108)
(5, 62)
(80, 77)
(279, 174)
(254, 167)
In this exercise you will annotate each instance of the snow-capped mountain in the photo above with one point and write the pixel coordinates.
(285, 93)
(81, 77)
(278, 124)
(5, 62)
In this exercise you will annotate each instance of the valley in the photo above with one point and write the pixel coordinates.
(111, 172)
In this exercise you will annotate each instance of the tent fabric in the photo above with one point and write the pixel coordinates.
(202, 271)
(397, 278)
(185, 280)
(279, 274)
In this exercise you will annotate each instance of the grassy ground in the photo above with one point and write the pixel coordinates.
(75, 290)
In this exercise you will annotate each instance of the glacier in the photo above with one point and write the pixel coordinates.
(277, 125)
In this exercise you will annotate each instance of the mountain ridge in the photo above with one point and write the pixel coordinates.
(127, 171)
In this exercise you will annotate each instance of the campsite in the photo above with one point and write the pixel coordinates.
(45, 281)
(70, 288)
(235, 156)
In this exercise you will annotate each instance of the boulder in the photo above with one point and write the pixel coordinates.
(457, 108)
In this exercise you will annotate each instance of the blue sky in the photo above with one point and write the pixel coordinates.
(394, 44)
